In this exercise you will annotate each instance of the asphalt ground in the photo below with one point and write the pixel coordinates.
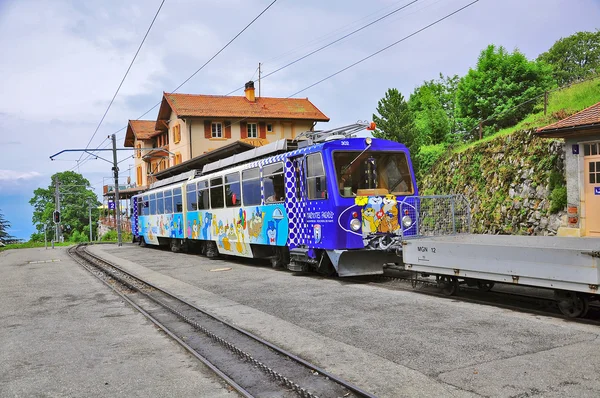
(65, 334)
(390, 343)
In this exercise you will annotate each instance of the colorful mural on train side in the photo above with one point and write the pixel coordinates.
(379, 214)
(161, 225)
(235, 229)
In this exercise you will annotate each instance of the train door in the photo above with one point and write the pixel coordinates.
(295, 200)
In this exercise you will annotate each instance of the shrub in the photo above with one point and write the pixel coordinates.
(109, 236)
(558, 199)
(429, 155)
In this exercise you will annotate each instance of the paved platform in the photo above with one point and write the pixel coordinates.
(391, 343)
(65, 334)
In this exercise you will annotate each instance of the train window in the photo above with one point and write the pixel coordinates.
(145, 206)
(203, 194)
(372, 173)
(233, 191)
(152, 203)
(251, 187)
(177, 200)
(316, 181)
(168, 201)
(160, 204)
(216, 193)
(273, 183)
(190, 196)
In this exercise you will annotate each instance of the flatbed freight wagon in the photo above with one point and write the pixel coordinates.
(570, 266)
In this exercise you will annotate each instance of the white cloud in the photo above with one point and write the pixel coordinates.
(14, 175)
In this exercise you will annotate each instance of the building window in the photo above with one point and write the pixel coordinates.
(217, 130)
(177, 159)
(252, 130)
(590, 149)
(594, 172)
(176, 133)
(269, 128)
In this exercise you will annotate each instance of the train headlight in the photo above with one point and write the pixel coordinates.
(407, 221)
(355, 224)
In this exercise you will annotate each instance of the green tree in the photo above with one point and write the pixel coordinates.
(75, 194)
(500, 82)
(433, 105)
(4, 227)
(574, 57)
(395, 121)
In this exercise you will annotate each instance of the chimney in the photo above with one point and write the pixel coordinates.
(249, 91)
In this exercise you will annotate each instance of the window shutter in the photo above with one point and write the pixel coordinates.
(243, 130)
(207, 129)
(227, 128)
(262, 130)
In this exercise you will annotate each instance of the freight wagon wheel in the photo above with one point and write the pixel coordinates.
(572, 304)
(448, 284)
(485, 286)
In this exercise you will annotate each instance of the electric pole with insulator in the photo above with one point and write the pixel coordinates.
(117, 206)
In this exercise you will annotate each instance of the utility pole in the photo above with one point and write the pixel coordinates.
(117, 201)
(90, 215)
(57, 208)
(259, 79)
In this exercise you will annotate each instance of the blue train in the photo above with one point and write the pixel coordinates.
(329, 202)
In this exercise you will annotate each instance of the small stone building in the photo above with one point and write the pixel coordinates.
(581, 133)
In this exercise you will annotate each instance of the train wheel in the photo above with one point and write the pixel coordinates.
(485, 286)
(448, 284)
(175, 245)
(571, 304)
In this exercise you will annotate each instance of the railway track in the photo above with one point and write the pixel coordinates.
(250, 365)
(502, 296)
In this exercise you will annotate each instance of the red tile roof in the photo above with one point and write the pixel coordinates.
(239, 107)
(585, 118)
(140, 129)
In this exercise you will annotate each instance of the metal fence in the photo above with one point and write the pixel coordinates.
(436, 215)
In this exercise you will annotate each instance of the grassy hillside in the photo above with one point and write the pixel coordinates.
(513, 179)
(561, 103)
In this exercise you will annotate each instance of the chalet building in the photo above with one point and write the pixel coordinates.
(581, 133)
(189, 126)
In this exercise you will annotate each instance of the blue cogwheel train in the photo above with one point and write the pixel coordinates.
(326, 201)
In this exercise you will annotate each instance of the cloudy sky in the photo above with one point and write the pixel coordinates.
(63, 60)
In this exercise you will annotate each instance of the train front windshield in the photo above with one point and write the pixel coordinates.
(372, 173)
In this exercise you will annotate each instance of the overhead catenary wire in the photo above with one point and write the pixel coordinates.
(374, 54)
(206, 63)
(333, 32)
(386, 47)
(332, 43)
(369, 56)
(124, 77)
